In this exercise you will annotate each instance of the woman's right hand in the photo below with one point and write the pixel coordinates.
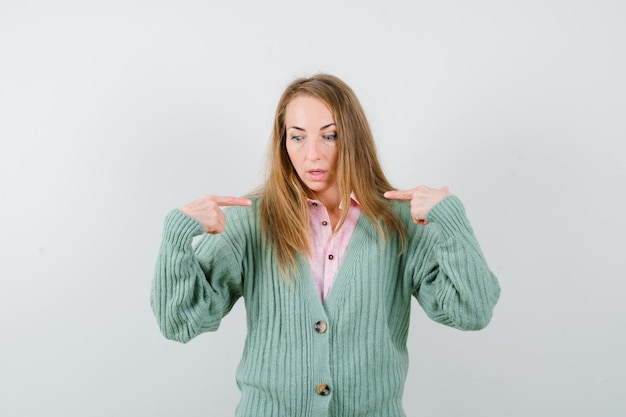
(207, 211)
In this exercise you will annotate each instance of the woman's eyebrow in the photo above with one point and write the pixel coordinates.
(303, 130)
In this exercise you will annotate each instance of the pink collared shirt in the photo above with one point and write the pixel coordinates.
(327, 251)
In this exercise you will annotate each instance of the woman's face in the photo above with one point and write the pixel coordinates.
(311, 143)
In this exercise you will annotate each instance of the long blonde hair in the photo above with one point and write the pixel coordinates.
(284, 213)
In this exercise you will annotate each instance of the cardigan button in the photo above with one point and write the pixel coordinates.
(323, 389)
(321, 326)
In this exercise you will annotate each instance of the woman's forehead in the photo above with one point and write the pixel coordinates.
(308, 110)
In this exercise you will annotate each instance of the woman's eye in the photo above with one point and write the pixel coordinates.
(296, 138)
(330, 137)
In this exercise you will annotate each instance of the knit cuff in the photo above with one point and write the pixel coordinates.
(450, 215)
(179, 229)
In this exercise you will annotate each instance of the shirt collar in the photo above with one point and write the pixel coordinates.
(353, 200)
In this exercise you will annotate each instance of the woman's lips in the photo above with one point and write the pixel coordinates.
(317, 174)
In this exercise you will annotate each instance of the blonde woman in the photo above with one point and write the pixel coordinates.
(327, 255)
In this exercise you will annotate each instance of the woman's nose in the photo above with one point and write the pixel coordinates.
(312, 150)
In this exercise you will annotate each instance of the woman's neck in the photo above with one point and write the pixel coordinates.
(332, 202)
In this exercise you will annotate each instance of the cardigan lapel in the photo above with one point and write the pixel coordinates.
(363, 233)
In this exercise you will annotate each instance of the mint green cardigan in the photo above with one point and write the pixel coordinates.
(345, 357)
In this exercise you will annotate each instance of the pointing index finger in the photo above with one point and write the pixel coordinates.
(398, 195)
(231, 201)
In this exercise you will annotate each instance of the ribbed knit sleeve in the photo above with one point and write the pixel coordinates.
(192, 289)
(451, 279)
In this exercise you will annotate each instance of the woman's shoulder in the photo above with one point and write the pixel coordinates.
(402, 210)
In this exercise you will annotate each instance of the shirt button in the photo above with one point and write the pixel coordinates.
(331, 257)
(323, 389)
(321, 326)
(324, 223)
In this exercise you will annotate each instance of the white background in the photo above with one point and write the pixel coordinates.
(114, 112)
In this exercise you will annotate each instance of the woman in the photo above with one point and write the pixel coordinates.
(326, 255)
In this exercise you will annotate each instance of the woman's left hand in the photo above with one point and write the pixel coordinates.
(422, 198)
